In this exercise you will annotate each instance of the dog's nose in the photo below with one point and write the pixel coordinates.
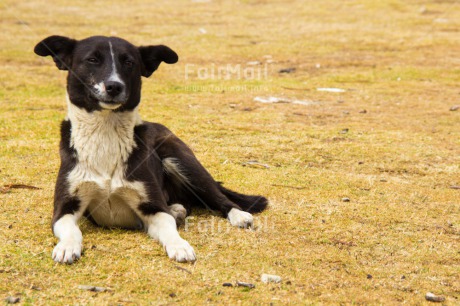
(114, 88)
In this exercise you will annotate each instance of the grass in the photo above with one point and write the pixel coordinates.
(396, 239)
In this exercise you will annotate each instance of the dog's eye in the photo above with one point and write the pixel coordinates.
(92, 60)
(129, 63)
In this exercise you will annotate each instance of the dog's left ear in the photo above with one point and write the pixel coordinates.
(152, 56)
(60, 48)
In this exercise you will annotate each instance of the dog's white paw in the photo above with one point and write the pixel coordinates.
(240, 218)
(179, 213)
(180, 250)
(67, 251)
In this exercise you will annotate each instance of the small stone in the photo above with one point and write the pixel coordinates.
(369, 276)
(454, 108)
(244, 284)
(434, 298)
(345, 199)
(12, 300)
(173, 295)
(270, 278)
(227, 284)
(363, 111)
(93, 288)
(287, 70)
(344, 131)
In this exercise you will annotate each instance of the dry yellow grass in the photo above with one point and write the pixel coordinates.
(397, 238)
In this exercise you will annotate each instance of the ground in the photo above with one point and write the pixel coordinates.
(363, 183)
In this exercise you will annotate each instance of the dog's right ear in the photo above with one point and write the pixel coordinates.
(60, 48)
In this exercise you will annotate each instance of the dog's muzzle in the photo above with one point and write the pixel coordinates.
(110, 94)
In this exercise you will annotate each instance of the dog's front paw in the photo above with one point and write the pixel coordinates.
(67, 252)
(180, 250)
(240, 218)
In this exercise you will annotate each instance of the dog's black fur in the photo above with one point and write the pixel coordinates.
(89, 65)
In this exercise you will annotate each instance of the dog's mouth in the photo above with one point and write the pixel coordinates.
(107, 102)
(109, 105)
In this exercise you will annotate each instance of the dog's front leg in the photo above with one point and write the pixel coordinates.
(162, 227)
(70, 239)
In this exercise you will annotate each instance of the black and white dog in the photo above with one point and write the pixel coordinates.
(116, 169)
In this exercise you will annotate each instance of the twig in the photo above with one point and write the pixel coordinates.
(183, 269)
(256, 164)
(6, 188)
(287, 186)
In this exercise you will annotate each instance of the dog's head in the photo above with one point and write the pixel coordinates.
(104, 72)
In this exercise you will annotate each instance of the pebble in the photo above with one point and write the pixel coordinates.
(434, 298)
(345, 199)
(227, 285)
(287, 70)
(244, 284)
(454, 108)
(12, 300)
(270, 278)
(93, 288)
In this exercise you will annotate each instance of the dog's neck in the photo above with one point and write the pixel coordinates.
(102, 139)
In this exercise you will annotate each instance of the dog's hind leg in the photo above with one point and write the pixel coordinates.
(179, 213)
(190, 183)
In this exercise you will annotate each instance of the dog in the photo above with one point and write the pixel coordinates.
(117, 170)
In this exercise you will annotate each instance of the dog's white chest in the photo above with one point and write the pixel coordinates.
(103, 141)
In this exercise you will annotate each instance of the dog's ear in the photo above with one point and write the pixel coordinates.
(60, 48)
(152, 56)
